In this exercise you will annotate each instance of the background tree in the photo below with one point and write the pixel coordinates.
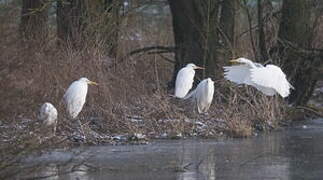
(71, 21)
(112, 22)
(294, 48)
(195, 33)
(90, 21)
(34, 16)
(227, 29)
(262, 47)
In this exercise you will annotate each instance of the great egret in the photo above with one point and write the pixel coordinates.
(269, 79)
(48, 115)
(75, 96)
(185, 79)
(203, 95)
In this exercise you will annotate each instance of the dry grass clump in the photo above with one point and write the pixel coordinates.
(248, 110)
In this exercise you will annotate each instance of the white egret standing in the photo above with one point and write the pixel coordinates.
(269, 79)
(48, 115)
(75, 96)
(203, 95)
(185, 79)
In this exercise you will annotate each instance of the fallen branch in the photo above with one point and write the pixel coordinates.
(306, 51)
(164, 49)
(311, 110)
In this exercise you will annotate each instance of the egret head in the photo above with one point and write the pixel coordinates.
(191, 65)
(243, 61)
(209, 81)
(86, 80)
(46, 106)
(240, 60)
(44, 109)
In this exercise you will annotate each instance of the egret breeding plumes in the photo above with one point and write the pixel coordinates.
(269, 79)
(203, 95)
(48, 115)
(185, 79)
(75, 96)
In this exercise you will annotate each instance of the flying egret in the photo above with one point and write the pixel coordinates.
(48, 115)
(75, 96)
(203, 95)
(269, 79)
(185, 79)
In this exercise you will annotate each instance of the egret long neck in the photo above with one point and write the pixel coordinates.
(250, 64)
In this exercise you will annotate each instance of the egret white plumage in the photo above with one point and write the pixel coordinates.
(185, 79)
(48, 115)
(269, 79)
(75, 96)
(203, 95)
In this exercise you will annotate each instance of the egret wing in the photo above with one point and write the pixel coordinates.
(204, 95)
(267, 91)
(258, 65)
(184, 82)
(48, 114)
(75, 97)
(271, 77)
(239, 74)
(192, 94)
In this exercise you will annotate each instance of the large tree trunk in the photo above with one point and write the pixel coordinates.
(195, 32)
(227, 30)
(112, 21)
(263, 55)
(71, 21)
(296, 31)
(34, 16)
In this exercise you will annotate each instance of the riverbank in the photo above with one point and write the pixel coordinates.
(289, 153)
(244, 113)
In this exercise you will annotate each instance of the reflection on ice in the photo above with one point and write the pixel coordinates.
(289, 154)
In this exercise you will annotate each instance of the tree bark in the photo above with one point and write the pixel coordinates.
(195, 32)
(34, 16)
(112, 9)
(70, 21)
(263, 55)
(227, 28)
(227, 19)
(295, 31)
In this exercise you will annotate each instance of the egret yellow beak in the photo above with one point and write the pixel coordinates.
(92, 83)
(234, 61)
(198, 67)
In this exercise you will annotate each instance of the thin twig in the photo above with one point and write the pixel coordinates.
(309, 109)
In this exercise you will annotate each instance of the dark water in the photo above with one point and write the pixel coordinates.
(293, 153)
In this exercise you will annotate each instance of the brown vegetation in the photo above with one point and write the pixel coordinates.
(132, 96)
(130, 86)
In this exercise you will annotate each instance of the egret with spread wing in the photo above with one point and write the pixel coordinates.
(185, 79)
(269, 79)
